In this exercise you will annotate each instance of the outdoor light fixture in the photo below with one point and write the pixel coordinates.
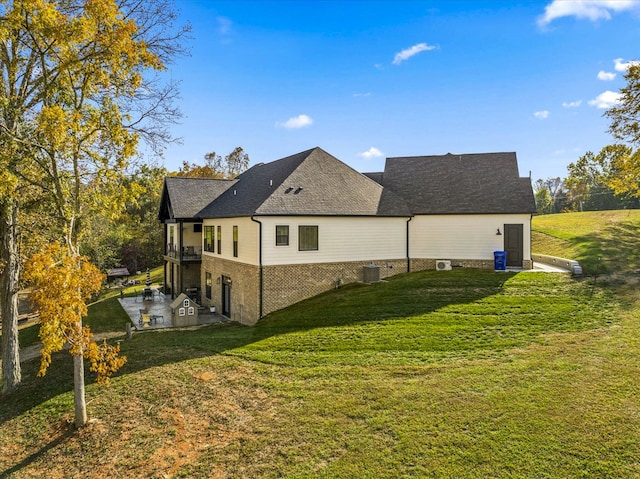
(498, 232)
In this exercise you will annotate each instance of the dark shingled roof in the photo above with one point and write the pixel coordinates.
(309, 183)
(460, 184)
(315, 183)
(183, 198)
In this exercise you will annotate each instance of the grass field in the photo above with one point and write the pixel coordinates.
(433, 374)
(602, 241)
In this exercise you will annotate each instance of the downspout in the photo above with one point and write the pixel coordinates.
(261, 275)
(408, 257)
(164, 260)
(181, 269)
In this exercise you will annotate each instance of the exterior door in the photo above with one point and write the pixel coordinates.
(226, 296)
(513, 244)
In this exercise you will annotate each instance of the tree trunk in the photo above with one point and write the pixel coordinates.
(78, 391)
(9, 287)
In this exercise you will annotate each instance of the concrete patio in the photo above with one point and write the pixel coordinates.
(158, 307)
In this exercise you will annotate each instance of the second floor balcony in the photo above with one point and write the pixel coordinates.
(186, 253)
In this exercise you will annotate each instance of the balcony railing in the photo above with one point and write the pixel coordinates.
(187, 253)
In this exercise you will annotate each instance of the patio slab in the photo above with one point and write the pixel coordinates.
(160, 307)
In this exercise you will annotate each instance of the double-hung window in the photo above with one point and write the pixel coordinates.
(209, 233)
(235, 241)
(307, 238)
(282, 235)
(219, 239)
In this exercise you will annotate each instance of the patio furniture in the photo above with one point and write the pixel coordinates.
(146, 319)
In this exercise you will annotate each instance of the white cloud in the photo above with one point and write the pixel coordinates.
(362, 94)
(541, 115)
(606, 76)
(409, 52)
(572, 104)
(606, 99)
(372, 152)
(224, 25)
(622, 66)
(295, 122)
(585, 9)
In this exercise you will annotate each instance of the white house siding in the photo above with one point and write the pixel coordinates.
(248, 233)
(464, 237)
(340, 239)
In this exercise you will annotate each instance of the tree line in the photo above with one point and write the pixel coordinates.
(610, 178)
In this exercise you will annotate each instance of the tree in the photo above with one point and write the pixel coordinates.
(215, 167)
(625, 127)
(79, 87)
(549, 195)
(129, 237)
(544, 202)
(62, 284)
(212, 167)
(600, 182)
(625, 117)
(237, 161)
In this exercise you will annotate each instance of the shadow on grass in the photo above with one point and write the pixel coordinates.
(66, 433)
(405, 295)
(615, 248)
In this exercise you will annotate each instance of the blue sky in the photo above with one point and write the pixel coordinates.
(369, 79)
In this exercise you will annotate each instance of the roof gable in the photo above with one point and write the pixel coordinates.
(184, 198)
(460, 184)
(312, 182)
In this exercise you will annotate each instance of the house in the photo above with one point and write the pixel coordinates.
(290, 229)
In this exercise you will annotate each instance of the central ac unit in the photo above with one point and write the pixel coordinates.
(443, 265)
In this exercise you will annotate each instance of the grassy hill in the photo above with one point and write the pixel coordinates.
(460, 374)
(602, 241)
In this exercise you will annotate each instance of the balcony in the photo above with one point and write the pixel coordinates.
(185, 254)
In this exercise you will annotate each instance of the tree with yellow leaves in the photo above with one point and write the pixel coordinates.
(80, 86)
(62, 284)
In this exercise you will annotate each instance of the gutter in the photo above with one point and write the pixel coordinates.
(261, 275)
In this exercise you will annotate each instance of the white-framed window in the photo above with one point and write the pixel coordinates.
(282, 235)
(307, 238)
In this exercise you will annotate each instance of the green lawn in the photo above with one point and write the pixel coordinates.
(433, 374)
(602, 241)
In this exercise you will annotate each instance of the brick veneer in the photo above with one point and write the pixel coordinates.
(421, 264)
(245, 294)
(284, 285)
(288, 284)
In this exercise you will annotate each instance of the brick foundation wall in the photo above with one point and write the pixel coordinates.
(287, 284)
(421, 264)
(284, 285)
(245, 289)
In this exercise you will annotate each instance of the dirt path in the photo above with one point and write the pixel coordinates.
(32, 352)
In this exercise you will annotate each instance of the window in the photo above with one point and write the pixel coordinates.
(209, 233)
(197, 227)
(282, 235)
(307, 238)
(219, 239)
(235, 241)
(207, 285)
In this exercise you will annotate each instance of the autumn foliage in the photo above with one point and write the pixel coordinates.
(62, 285)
